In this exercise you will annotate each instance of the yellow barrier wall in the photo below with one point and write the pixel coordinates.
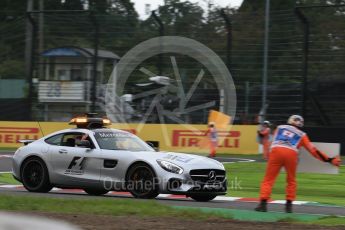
(240, 139)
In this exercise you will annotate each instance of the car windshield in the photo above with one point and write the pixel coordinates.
(113, 140)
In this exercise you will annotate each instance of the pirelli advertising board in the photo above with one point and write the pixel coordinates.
(240, 139)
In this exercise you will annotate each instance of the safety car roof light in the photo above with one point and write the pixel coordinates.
(90, 121)
(106, 121)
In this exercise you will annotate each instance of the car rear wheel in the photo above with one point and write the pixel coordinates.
(96, 192)
(141, 181)
(203, 197)
(35, 175)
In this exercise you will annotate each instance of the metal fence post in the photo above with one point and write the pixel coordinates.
(305, 23)
(228, 25)
(161, 33)
(264, 104)
(30, 73)
(94, 62)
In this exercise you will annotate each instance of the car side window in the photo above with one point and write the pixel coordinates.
(70, 139)
(54, 140)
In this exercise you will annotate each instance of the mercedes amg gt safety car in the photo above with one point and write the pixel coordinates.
(98, 159)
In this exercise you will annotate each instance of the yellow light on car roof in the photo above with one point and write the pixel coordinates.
(106, 121)
(90, 122)
(78, 120)
(81, 120)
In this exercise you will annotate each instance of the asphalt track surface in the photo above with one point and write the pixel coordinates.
(5, 166)
(5, 163)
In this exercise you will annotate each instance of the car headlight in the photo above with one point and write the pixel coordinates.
(170, 167)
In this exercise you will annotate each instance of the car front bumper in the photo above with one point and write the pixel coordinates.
(187, 184)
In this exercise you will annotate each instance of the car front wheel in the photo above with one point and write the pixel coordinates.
(35, 175)
(141, 181)
(203, 197)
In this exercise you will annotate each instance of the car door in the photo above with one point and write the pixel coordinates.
(117, 157)
(114, 168)
(73, 165)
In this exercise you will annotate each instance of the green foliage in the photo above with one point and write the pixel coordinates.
(99, 6)
(181, 17)
(73, 4)
(255, 6)
(9, 10)
(12, 69)
(121, 29)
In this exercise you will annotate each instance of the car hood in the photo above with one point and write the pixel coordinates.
(188, 161)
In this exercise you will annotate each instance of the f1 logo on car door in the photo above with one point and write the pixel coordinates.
(76, 166)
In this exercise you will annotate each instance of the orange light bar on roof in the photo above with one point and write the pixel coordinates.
(90, 122)
(78, 120)
(81, 120)
(106, 121)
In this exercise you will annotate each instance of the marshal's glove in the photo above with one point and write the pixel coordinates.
(335, 161)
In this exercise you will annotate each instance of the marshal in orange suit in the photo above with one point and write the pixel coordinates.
(264, 134)
(284, 153)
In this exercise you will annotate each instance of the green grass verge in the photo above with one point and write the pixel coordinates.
(330, 221)
(151, 208)
(115, 207)
(246, 215)
(6, 149)
(7, 178)
(244, 181)
(249, 215)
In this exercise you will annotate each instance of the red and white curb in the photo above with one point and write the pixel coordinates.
(164, 196)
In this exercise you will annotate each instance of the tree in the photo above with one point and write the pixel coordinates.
(99, 6)
(53, 5)
(123, 7)
(11, 9)
(181, 18)
(12, 69)
(256, 6)
(73, 5)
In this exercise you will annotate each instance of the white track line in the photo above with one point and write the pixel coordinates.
(238, 160)
(11, 186)
(6, 156)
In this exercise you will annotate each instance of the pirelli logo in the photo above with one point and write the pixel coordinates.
(11, 135)
(189, 138)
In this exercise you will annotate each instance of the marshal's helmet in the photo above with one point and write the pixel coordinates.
(296, 120)
(267, 123)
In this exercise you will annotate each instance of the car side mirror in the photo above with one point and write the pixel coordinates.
(154, 146)
(150, 144)
(84, 144)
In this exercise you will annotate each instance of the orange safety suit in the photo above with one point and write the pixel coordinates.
(265, 140)
(213, 140)
(284, 153)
